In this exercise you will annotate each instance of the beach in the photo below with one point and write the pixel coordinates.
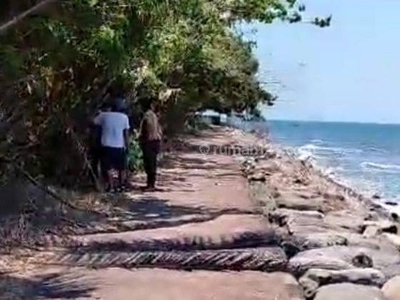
(237, 217)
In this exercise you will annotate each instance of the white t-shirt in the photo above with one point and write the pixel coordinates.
(112, 125)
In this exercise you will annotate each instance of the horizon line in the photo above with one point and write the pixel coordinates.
(332, 121)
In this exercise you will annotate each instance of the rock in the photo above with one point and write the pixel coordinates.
(395, 216)
(306, 194)
(257, 177)
(270, 154)
(298, 265)
(348, 291)
(376, 197)
(296, 202)
(392, 270)
(391, 289)
(371, 231)
(382, 225)
(390, 203)
(315, 278)
(377, 243)
(330, 196)
(392, 238)
(345, 219)
(283, 216)
(342, 258)
(304, 241)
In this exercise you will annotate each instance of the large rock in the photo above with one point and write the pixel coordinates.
(391, 289)
(393, 239)
(297, 221)
(308, 240)
(292, 200)
(392, 270)
(377, 242)
(348, 291)
(382, 226)
(345, 220)
(315, 278)
(341, 258)
(259, 176)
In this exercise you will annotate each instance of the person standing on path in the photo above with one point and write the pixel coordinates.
(115, 142)
(150, 135)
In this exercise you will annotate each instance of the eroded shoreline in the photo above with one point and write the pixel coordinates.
(338, 242)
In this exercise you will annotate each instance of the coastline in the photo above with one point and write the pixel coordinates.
(265, 226)
(378, 205)
(328, 230)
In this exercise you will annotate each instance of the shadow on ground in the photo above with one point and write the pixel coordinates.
(51, 286)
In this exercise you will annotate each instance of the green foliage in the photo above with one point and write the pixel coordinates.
(135, 161)
(56, 65)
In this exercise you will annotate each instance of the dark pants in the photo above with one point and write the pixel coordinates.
(96, 162)
(114, 158)
(150, 151)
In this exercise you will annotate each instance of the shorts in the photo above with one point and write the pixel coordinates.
(114, 158)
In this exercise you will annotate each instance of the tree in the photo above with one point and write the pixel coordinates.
(58, 59)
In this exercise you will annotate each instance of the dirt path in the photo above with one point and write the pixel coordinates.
(200, 237)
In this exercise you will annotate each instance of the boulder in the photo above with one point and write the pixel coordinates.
(392, 270)
(291, 217)
(348, 291)
(391, 289)
(382, 225)
(309, 240)
(341, 258)
(371, 231)
(299, 264)
(377, 242)
(334, 196)
(296, 202)
(257, 177)
(315, 278)
(392, 238)
(345, 220)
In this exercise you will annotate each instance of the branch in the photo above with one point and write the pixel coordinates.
(5, 26)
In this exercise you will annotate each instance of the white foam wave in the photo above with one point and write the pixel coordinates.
(378, 150)
(381, 167)
(317, 142)
(335, 150)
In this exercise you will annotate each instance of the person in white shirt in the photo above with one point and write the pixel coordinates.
(114, 142)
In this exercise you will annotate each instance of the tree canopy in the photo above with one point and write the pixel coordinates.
(58, 59)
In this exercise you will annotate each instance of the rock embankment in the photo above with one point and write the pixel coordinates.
(338, 247)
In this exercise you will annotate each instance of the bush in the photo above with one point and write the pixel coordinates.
(135, 157)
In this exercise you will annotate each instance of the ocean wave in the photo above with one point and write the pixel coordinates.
(317, 142)
(381, 167)
(312, 148)
(378, 150)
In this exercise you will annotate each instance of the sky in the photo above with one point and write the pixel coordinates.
(348, 72)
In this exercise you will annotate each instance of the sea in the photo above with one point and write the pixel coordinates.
(363, 156)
